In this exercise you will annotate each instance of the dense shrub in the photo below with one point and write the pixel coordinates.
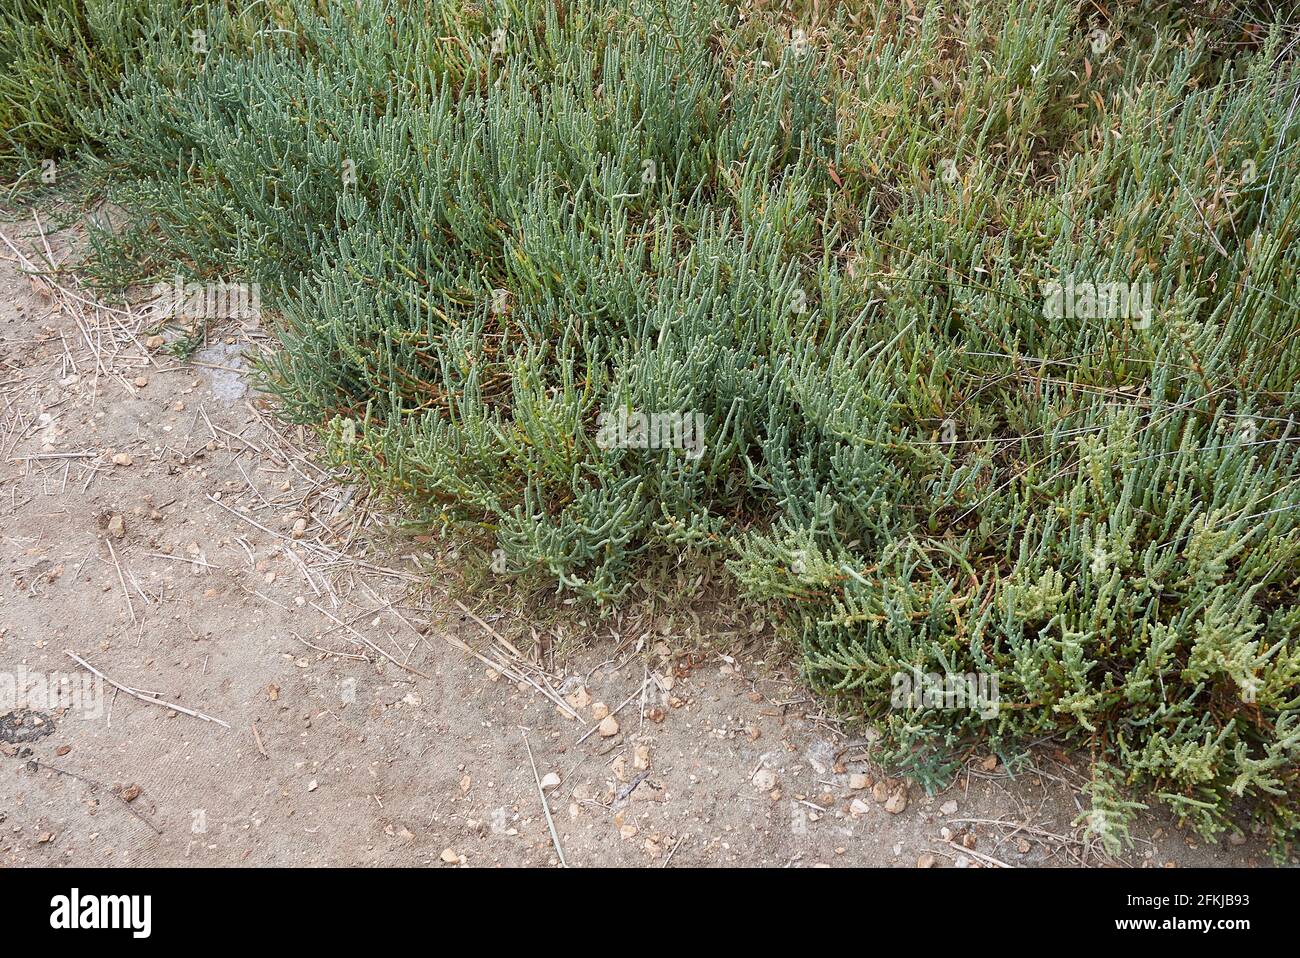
(57, 58)
(483, 227)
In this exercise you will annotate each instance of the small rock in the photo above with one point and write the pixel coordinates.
(858, 808)
(131, 793)
(948, 808)
(449, 856)
(859, 780)
(63, 750)
(122, 459)
(313, 785)
(925, 861)
(141, 381)
(550, 780)
(117, 526)
(764, 780)
(608, 727)
(155, 342)
(599, 710)
(897, 802)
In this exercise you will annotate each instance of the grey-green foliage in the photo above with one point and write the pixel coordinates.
(834, 246)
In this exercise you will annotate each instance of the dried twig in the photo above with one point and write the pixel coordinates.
(550, 823)
(489, 630)
(122, 579)
(257, 737)
(96, 786)
(151, 698)
(987, 859)
(673, 851)
(369, 644)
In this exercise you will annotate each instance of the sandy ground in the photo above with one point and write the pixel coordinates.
(147, 524)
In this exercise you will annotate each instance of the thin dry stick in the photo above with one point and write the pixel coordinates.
(987, 859)
(1018, 827)
(56, 455)
(257, 737)
(120, 578)
(265, 598)
(369, 644)
(550, 823)
(645, 681)
(489, 630)
(31, 267)
(563, 706)
(342, 655)
(142, 696)
(495, 666)
(96, 786)
(673, 851)
(330, 555)
(190, 559)
(498, 666)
